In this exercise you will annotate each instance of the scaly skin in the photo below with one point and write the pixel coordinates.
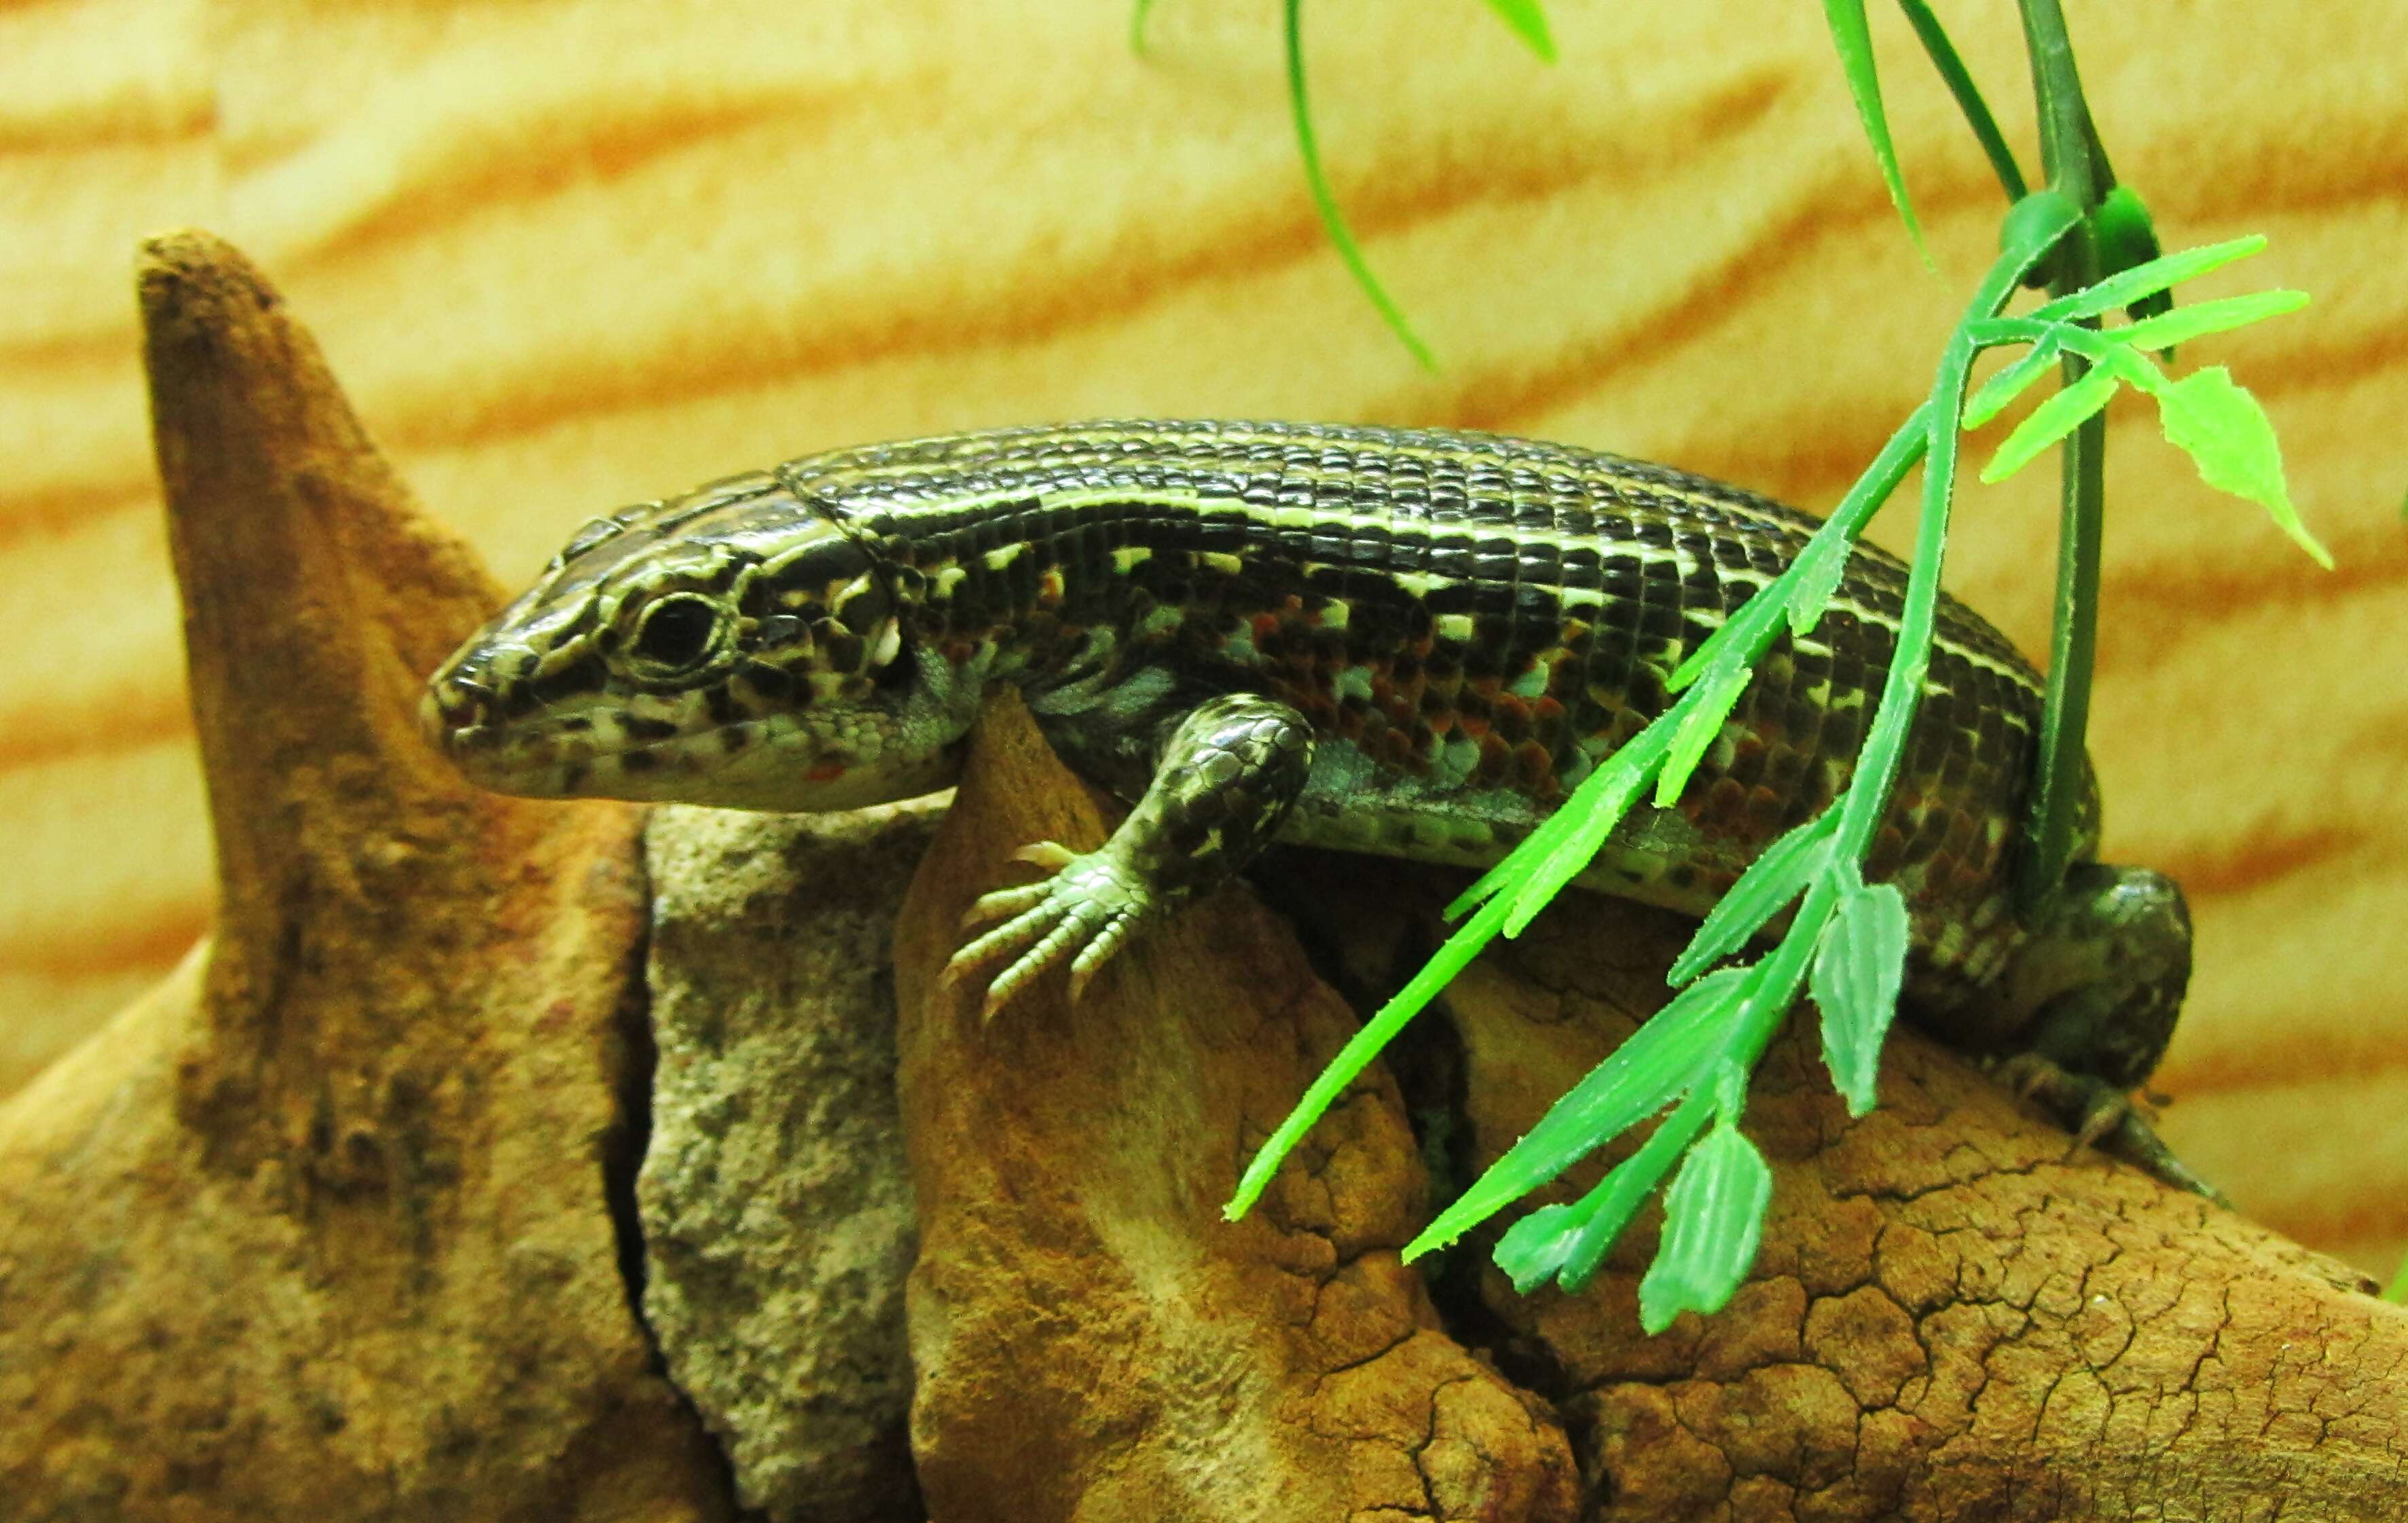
(1406, 642)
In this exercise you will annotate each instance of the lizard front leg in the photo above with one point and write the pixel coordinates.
(1225, 775)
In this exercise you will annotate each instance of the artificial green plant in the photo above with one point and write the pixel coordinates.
(2090, 240)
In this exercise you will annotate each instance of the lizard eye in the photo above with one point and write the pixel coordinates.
(677, 633)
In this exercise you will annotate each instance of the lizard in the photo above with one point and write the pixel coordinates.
(1407, 642)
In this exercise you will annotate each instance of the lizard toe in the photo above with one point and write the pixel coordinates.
(1083, 913)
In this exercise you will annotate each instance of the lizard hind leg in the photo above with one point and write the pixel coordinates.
(2103, 972)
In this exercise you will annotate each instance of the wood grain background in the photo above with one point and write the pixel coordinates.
(570, 253)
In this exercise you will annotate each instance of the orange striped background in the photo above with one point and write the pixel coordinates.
(573, 252)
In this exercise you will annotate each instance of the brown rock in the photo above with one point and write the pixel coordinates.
(321, 1229)
(1092, 1341)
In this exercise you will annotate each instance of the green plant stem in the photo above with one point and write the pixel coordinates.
(2068, 159)
(1959, 79)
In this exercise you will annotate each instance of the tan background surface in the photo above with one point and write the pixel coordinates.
(575, 253)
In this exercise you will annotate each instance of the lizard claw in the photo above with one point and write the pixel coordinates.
(1084, 911)
(2100, 1115)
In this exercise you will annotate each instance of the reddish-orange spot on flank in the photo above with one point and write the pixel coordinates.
(827, 773)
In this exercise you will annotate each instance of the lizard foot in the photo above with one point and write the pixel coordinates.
(1082, 909)
(2100, 1115)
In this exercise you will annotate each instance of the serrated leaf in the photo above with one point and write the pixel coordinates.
(1638, 1079)
(1713, 1220)
(1859, 965)
(2142, 281)
(1779, 874)
(1850, 35)
(2214, 421)
(1528, 22)
(2206, 317)
(1709, 705)
(2050, 422)
(1999, 392)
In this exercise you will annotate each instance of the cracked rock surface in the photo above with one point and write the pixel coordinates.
(1951, 1316)
(777, 1219)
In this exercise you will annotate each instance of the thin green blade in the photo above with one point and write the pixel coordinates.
(1858, 966)
(1854, 39)
(1779, 874)
(1528, 22)
(1361, 1048)
(1820, 565)
(1325, 200)
(2147, 279)
(1713, 1220)
(1568, 1242)
(1708, 707)
(1604, 798)
(2050, 422)
(2186, 323)
(1999, 392)
(1959, 79)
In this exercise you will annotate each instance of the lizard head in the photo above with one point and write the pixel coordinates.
(733, 647)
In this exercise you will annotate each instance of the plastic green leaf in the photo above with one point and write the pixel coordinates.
(1714, 1219)
(2147, 279)
(2206, 317)
(2229, 437)
(1602, 798)
(1536, 847)
(1854, 41)
(1325, 200)
(1659, 1063)
(2050, 422)
(1363, 1046)
(1999, 392)
(1528, 22)
(1779, 874)
(1568, 1243)
(1819, 568)
(1533, 1250)
(1572, 1243)
(1857, 968)
(1708, 707)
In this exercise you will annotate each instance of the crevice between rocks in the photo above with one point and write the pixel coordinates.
(631, 1133)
